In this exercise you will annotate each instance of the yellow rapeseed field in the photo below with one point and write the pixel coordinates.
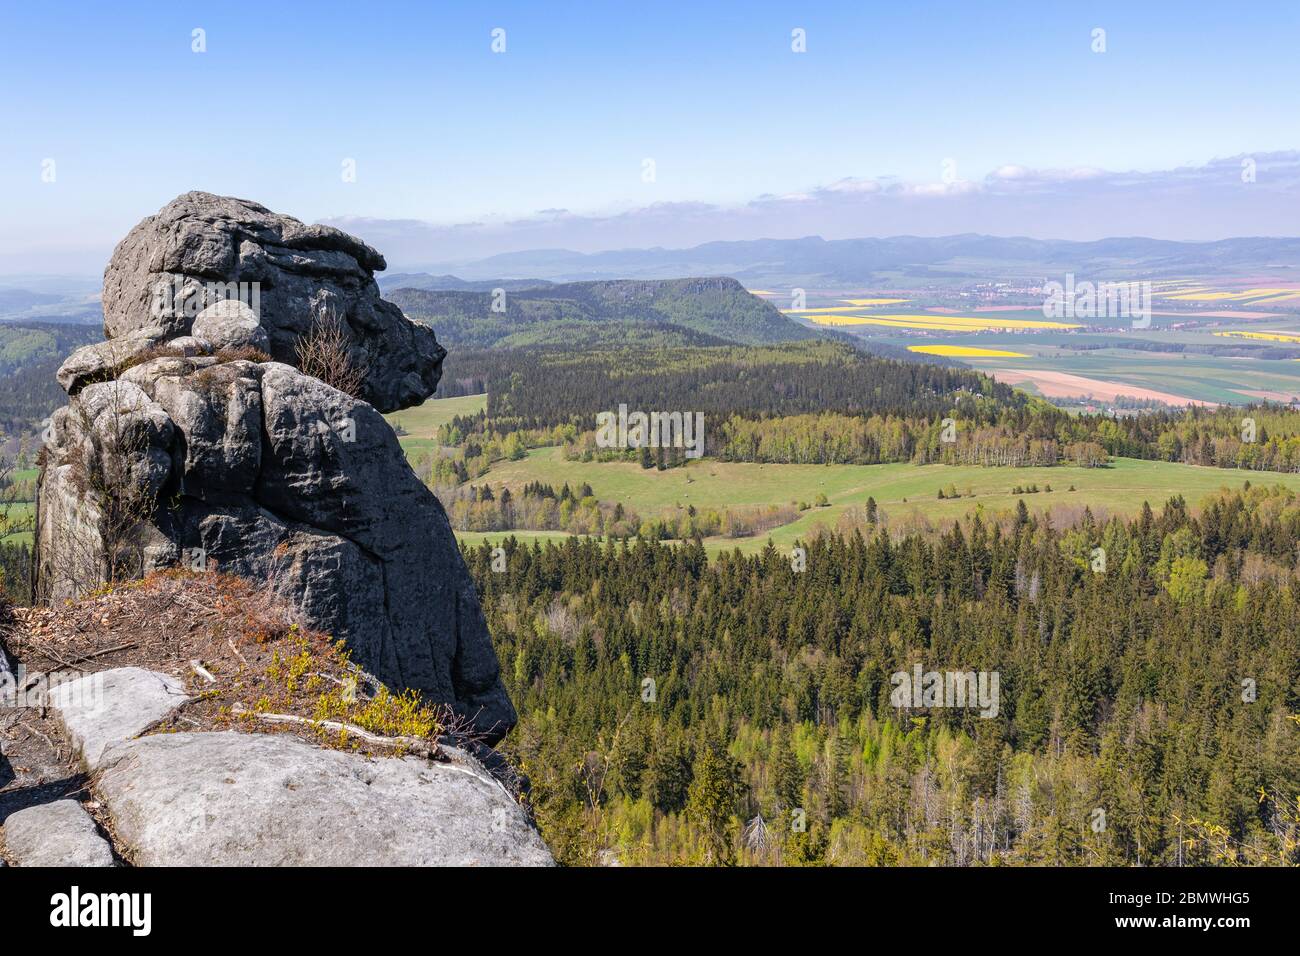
(857, 303)
(1267, 336)
(940, 323)
(888, 323)
(964, 351)
(1242, 295)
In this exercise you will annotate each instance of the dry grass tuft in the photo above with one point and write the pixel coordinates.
(325, 352)
(244, 656)
(244, 353)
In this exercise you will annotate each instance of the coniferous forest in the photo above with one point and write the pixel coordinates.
(680, 709)
(827, 402)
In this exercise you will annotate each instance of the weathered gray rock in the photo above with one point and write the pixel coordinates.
(106, 455)
(200, 249)
(273, 475)
(231, 798)
(256, 468)
(230, 324)
(103, 710)
(219, 418)
(235, 799)
(270, 474)
(55, 834)
(187, 346)
(102, 360)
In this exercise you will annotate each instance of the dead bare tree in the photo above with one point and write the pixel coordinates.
(325, 352)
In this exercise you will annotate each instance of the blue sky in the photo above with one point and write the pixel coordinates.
(444, 131)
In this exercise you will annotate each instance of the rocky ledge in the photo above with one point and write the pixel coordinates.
(218, 732)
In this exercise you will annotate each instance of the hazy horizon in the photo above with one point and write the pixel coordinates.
(443, 134)
(361, 227)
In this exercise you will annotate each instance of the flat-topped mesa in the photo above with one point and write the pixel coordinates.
(202, 249)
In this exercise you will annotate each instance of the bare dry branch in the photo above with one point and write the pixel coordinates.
(326, 353)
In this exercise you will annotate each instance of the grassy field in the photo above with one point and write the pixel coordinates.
(899, 489)
(1207, 378)
(20, 513)
(422, 422)
(902, 491)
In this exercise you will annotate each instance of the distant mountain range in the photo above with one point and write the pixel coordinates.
(709, 311)
(780, 264)
(71, 299)
(450, 283)
(549, 283)
(814, 261)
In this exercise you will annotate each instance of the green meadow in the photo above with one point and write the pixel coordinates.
(422, 422)
(904, 492)
(20, 513)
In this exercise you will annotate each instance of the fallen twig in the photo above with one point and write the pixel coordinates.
(42, 736)
(45, 651)
(202, 671)
(107, 650)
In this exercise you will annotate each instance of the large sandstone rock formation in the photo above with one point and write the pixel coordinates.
(179, 446)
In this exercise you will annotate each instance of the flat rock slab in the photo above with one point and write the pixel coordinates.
(55, 834)
(235, 799)
(103, 710)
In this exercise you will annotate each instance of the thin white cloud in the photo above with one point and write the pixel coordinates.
(1015, 173)
(1213, 200)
